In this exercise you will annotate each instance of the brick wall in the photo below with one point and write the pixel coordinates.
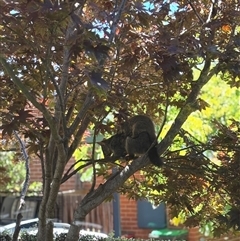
(128, 211)
(36, 174)
(225, 238)
(194, 235)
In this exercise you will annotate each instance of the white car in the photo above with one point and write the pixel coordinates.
(27, 224)
(92, 233)
(30, 226)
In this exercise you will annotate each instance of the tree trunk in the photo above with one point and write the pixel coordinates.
(43, 232)
(42, 210)
(73, 233)
(47, 206)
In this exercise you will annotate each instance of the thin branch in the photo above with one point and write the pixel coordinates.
(163, 123)
(59, 108)
(82, 113)
(116, 20)
(9, 150)
(190, 104)
(90, 98)
(67, 176)
(41, 157)
(165, 112)
(89, 162)
(59, 115)
(212, 12)
(73, 165)
(195, 11)
(59, 94)
(24, 188)
(93, 165)
(75, 143)
(93, 151)
(27, 176)
(183, 132)
(78, 136)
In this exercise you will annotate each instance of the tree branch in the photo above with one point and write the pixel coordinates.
(165, 113)
(195, 11)
(89, 162)
(82, 113)
(213, 11)
(24, 188)
(17, 227)
(190, 104)
(59, 114)
(27, 176)
(116, 20)
(78, 136)
(59, 94)
(93, 199)
(93, 156)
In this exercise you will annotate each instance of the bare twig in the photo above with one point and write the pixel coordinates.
(163, 123)
(116, 20)
(78, 136)
(213, 11)
(195, 11)
(82, 113)
(88, 162)
(27, 176)
(56, 86)
(24, 188)
(93, 165)
(165, 112)
(190, 103)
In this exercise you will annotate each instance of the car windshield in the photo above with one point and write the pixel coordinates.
(29, 225)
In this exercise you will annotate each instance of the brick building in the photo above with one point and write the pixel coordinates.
(128, 210)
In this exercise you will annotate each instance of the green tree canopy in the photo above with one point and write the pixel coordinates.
(68, 65)
(10, 182)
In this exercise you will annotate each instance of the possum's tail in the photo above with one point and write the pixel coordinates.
(154, 158)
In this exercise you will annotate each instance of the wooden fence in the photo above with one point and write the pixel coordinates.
(102, 215)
